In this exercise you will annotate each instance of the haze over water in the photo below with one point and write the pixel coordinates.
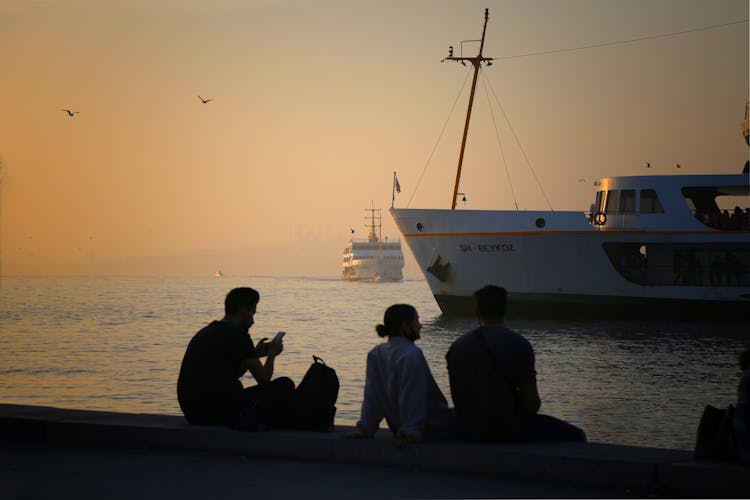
(316, 102)
(116, 343)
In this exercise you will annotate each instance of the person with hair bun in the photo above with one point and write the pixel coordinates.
(399, 385)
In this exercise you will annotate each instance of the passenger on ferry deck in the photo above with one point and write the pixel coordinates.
(493, 381)
(725, 221)
(738, 219)
(400, 387)
(715, 218)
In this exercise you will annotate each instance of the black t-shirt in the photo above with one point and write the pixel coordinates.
(484, 391)
(208, 388)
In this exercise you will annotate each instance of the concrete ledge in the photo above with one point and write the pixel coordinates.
(671, 471)
(705, 479)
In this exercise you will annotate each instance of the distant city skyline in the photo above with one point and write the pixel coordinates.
(250, 136)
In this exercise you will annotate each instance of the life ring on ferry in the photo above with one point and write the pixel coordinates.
(600, 218)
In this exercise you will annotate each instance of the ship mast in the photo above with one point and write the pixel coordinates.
(477, 62)
(374, 234)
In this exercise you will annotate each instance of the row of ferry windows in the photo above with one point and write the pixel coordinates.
(624, 201)
(370, 257)
(385, 246)
(377, 246)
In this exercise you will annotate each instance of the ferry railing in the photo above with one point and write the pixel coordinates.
(381, 242)
(614, 220)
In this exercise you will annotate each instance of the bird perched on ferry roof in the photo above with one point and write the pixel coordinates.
(70, 113)
(204, 101)
(648, 165)
(679, 166)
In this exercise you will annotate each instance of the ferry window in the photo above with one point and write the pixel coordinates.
(598, 203)
(650, 203)
(627, 201)
(612, 199)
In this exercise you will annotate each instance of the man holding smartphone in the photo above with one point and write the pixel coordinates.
(209, 388)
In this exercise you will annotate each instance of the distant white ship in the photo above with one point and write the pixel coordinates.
(373, 259)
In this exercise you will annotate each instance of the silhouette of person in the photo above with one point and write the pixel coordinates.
(493, 381)
(399, 385)
(209, 389)
(741, 419)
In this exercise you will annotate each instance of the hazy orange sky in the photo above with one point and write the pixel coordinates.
(316, 103)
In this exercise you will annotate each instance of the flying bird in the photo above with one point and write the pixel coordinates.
(70, 113)
(204, 101)
(581, 180)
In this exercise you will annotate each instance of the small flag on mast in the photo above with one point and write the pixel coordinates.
(396, 189)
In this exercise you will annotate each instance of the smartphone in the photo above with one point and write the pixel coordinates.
(279, 336)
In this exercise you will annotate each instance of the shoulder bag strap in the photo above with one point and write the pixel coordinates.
(493, 360)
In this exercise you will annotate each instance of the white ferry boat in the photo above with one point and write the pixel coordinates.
(651, 246)
(373, 259)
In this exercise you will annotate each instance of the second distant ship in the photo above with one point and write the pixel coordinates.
(373, 259)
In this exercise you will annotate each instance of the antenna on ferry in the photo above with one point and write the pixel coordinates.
(374, 234)
(477, 63)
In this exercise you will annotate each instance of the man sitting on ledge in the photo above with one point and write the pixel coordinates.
(493, 381)
(209, 389)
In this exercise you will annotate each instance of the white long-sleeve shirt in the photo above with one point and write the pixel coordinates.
(400, 388)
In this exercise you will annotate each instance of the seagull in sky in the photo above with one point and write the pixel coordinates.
(581, 180)
(204, 101)
(70, 113)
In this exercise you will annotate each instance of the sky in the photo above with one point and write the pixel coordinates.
(315, 103)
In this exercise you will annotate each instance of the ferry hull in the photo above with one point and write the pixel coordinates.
(365, 272)
(557, 264)
(570, 306)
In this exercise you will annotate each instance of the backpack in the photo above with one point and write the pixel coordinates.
(715, 439)
(315, 398)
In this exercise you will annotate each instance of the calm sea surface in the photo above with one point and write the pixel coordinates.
(115, 343)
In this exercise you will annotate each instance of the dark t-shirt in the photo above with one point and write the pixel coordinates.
(208, 388)
(485, 398)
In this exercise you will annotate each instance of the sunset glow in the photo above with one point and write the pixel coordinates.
(315, 103)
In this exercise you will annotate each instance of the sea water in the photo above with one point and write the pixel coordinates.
(116, 343)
